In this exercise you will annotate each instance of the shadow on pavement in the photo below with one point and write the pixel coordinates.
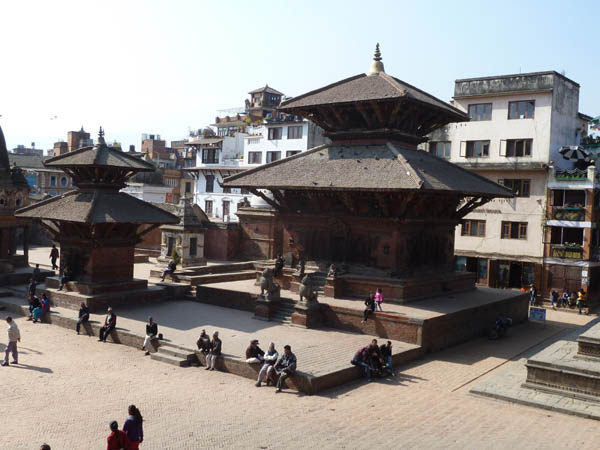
(29, 367)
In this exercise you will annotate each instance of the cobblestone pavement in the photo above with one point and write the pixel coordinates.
(69, 387)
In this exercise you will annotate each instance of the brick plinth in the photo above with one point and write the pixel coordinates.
(265, 309)
(307, 314)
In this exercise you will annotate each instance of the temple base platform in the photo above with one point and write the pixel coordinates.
(22, 275)
(432, 324)
(568, 368)
(99, 296)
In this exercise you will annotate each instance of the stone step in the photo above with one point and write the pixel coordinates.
(169, 359)
(220, 277)
(177, 353)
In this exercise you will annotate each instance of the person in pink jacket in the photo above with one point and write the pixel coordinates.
(378, 299)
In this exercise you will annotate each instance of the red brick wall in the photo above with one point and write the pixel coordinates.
(222, 243)
(110, 264)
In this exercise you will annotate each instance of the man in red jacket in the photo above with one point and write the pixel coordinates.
(117, 440)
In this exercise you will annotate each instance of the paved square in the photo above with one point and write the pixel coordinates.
(69, 387)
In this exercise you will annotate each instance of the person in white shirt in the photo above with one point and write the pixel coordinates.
(14, 336)
(270, 358)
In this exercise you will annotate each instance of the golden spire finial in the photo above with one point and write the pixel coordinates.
(376, 65)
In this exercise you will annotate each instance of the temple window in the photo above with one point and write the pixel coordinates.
(63, 181)
(440, 149)
(514, 230)
(294, 132)
(52, 180)
(519, 187)
(193, 246)
(480, 111)
(473, 228)
(273, 156)
(275, 134)
(521, 110)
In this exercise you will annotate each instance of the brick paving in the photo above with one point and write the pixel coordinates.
(69, 387)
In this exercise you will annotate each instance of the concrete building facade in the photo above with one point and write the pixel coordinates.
(518, 124)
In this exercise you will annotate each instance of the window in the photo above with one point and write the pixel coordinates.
(440, 149)
(52, 181)
(295, 132)
(478, 149)
(208, 207)
(63, 181)
(519, 187)
(225, 208)
(226, 190)
(254, 140)
(274, 134)
(291, 153)
(572, 198)
(518, 147)
(481, 111)
(244, 191)
(564, 235)
(514, 230)
(521, 110)
(473, 228)
(210, 155)
(193, 246)
(210, 183)
(273, 156)
(188, 187)
(254, 157)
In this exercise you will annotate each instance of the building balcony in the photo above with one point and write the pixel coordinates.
(558, 176)
(569, 213)
(566, 251)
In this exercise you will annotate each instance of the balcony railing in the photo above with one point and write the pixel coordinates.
(569, 213)
(566, 252)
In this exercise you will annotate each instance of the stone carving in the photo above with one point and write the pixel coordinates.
(300, 268)
(307, 294)
(244, 203)
(269, 290)
(333, 271)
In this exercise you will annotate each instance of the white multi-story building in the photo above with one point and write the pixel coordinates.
(278, 139)
(518, 125)
(217, 157)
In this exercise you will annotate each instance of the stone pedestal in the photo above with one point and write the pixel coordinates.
(307, 314)
(265, 308)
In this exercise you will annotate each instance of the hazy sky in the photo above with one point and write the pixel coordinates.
(164, 66)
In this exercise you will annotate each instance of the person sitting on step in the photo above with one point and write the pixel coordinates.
(151, 333)
(169, 270)
(203, 342)
(110, 322)
(34, 303)
(254, 354)
(268, 366)
(285, 366)
(215, 351)
(84, 316)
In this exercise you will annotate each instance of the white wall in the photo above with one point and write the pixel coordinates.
(282, 145)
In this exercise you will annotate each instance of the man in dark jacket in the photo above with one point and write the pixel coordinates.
(370, 306)
(254, 353)
(151, 333)
(110, 322)
(214, 352)
(54, 257)
(31, 288)
(169, 270)
(203, 342)
(286, 366)
(34, 302)
(84, 316)
(386, 352)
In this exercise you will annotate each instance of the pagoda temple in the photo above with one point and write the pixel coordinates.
(97, 227)
(370, 203)
(14, 193)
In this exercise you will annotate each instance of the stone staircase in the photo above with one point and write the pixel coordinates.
(175, 356)
(285, 311)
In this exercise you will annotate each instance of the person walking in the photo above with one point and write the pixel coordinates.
(110, 322)
(285, 367)
(53, 257)
(84, 316)
(151, 333)
(378, 299)
(581, 298)
(14, 336)
(266, 370)
(215, 351)
(133, 428)
(532, 295)
(117, 439)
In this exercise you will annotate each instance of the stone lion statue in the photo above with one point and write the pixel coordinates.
(306, 290)
(267, 286)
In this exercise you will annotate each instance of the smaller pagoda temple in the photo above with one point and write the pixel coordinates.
(97, 227)
(14, 192)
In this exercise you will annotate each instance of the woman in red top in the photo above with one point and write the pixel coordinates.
(117, 440)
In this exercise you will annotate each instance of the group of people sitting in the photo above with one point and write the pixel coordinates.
(38, 307)
(374, 359)
(569, 299)
(275, 368)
